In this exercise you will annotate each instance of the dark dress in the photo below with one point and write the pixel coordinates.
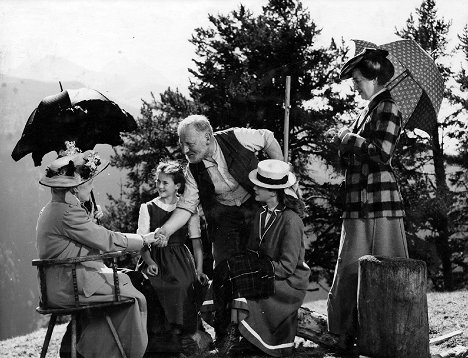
(174, 301)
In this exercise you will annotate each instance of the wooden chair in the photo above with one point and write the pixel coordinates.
(78, 307)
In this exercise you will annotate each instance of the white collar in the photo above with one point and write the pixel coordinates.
(275, 209)
(163, 205)
(211, 160)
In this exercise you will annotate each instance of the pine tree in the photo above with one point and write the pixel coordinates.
(154, 140)
(429, 199)
(240, 70)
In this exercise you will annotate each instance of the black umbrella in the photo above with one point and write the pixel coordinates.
(83, 115)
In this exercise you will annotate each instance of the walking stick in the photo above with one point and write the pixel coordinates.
(286, 119)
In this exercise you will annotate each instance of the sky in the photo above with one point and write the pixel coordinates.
(155, 33)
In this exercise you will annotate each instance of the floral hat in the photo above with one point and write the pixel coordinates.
(272, 174)
(73, 168)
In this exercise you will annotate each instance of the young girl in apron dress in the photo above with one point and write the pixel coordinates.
(171, 270)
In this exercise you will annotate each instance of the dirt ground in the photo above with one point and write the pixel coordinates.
(447, 313)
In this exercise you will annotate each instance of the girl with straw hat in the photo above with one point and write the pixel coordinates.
(269, 324)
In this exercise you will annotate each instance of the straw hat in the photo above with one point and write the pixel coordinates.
(73, 169)
(272, 174)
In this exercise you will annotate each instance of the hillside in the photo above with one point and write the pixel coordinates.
(447, 313)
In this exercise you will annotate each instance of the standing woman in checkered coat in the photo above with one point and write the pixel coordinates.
(373, 213)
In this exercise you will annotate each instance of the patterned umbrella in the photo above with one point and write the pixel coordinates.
(83, 115)
(417, 86)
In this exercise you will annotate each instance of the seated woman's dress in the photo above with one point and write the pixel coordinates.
(64, 230)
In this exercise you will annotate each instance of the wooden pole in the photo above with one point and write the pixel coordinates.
(286, 119)
(392, 308)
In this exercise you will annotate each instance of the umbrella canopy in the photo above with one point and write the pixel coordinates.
(83, 115)
(417, 85)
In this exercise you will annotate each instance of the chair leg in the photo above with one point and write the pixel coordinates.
(50, 328)
(116, 336)
(73, 336)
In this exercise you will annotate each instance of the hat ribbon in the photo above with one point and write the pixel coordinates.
(270, 181)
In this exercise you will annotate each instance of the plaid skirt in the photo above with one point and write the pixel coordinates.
(248, 275)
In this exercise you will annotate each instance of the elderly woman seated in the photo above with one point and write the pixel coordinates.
(65, 229)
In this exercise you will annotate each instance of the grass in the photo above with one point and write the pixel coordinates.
(447, 313)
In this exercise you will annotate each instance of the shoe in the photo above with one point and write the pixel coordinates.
(229, 340)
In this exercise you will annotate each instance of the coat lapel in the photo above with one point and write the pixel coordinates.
(273, 217)
(261, 222)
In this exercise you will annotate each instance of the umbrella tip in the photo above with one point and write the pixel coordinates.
(61, 88)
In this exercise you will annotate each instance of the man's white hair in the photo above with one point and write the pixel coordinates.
(197, 121)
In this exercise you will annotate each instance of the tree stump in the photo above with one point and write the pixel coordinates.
(312, 325)
(392, 308)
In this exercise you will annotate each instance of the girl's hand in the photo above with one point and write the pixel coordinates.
(202, 278)
(160, 237)
(152, 270)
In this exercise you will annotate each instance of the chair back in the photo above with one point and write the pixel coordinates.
(43, 264)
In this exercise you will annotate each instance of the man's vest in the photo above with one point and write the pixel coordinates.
(240, 162)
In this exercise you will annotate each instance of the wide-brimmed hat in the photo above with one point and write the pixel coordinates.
(367, 53)
(272, 174)
(72, 170)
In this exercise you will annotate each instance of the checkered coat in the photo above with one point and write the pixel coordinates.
(371, 187)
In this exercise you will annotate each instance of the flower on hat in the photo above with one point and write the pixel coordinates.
(91, 163)
(84, 164)
(71, 149)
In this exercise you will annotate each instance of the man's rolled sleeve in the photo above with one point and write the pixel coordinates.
(254, 139)
(194, 226)
(190, 199)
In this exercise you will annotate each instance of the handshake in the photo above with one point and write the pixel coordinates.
(157, 238)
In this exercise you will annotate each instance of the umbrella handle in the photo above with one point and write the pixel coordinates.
(93, 199)
(396, 81)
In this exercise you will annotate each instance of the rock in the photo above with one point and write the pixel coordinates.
(455, 352)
